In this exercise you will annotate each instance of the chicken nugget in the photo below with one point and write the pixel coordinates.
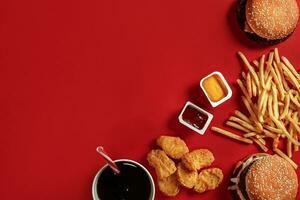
(163, 165)
(173, 146)
(198, 159)
(169, 186)
(186, 177)
(208, 179)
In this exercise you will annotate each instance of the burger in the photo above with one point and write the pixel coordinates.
(263, 177)
(268, 21)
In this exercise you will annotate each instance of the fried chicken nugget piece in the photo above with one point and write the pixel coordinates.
(163, 165)
(186, 177)
(208, 179)
(169, 186)
(173, 146)
(198, 159)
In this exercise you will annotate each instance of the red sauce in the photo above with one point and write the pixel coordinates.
(194, 117)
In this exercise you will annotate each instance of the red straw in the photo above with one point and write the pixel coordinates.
(109, 161)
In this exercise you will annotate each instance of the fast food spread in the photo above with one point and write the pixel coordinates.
(269, 117)
(186, 172)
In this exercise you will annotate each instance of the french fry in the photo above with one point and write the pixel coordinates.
(286, 107)
(264, 108)
(249, 108)
(261, 71)
(256, 63)
(291, 67)
(237, 126)
(254, 87)
(269, 64)
(261, 99)
(275, 66)
(269, 134)
(291, 76)
(276, 80)
(260, 138)
(242, 123)
(294, 123)
(294, 100)
(251, 69)
(288, 80)
(276, 55)
(242, 116)
(250, 134)
(231, 135)
(270, 105)
(261, 145)
(275, 102)
(284, 82)
(283, 155)
(285, 132)
(289, 148)
(240, 83)
(296, 148)
(259, 127)
(268, 83)
(295, 116)
(273, 129)
(289, 145)
(262, 105)
(249, 85)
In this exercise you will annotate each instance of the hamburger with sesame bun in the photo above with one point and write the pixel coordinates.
(264, 177)
(268, 21)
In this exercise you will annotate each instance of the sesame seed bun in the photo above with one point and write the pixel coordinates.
(268, 21)
(263, 176)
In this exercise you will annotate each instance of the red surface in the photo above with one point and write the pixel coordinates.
(77, 74)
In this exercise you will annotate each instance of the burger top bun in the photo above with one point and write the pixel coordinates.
(272, 19)
(271, 177)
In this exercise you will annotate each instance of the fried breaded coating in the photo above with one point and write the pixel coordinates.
(173, 146)
(169, 186)
(186, 177)
(163, 165)
(198, 159)
(208, 179)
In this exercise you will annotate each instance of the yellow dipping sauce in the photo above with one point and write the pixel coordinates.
(213, 86)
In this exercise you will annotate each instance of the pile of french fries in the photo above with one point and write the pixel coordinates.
(271, 95)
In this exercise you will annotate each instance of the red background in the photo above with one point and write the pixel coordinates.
(78, 74)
